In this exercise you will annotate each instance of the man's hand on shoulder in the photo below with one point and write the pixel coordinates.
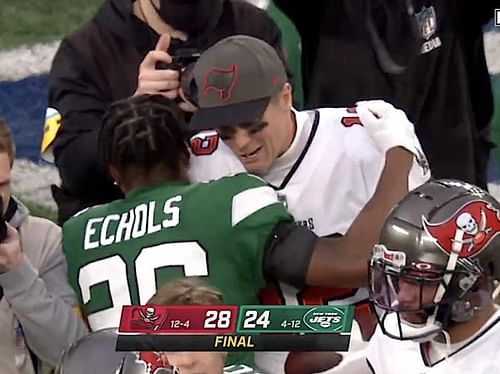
(387, 126)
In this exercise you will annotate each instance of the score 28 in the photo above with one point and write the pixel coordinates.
(217, 319)
(221, 319)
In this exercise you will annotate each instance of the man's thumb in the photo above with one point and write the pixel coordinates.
(163, 43)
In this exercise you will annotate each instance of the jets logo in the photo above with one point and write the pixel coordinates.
(320, 319)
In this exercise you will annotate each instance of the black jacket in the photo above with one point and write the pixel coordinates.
(446, 91)
(97, 65)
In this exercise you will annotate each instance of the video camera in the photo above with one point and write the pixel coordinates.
(185, 57)
(183, 61)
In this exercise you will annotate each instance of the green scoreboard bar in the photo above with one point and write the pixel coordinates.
(295, 319)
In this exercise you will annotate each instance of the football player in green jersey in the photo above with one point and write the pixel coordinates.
(233, 231)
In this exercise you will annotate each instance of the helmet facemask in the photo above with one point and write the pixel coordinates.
(417, 301)
(442, 243)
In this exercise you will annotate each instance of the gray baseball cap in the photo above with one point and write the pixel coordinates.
(235, 80)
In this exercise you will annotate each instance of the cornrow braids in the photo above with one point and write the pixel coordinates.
(143, 132)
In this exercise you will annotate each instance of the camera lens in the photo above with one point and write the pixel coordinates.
(188, 84)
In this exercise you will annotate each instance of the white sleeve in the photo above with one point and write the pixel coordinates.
(389, 127)
(222, 162)
(363, 151)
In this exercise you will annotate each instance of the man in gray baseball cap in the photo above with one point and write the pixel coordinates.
(235, 81)
(240, 87)
(332, 166)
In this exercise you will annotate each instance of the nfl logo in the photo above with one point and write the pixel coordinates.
(497, 17)
(427, 22)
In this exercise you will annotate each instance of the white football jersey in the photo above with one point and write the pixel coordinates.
(327, 175)
(325, 178)
(480, 354)
(211, 159)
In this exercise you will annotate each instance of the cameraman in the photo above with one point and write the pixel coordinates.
(37, 321)
(99, 64)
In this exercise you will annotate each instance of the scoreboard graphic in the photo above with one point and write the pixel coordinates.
(235, 328)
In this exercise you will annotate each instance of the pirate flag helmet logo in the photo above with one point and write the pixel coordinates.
(479, 221)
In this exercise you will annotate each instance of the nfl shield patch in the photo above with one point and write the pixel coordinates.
(427, 22)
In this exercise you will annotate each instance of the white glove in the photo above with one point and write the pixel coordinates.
(387, 126)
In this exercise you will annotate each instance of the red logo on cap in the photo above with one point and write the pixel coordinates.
(477, 219)
(221, 81)
(276, 80)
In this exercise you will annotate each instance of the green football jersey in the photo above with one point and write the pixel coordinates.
(120, 253)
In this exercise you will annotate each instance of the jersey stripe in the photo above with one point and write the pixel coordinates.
(250, 201)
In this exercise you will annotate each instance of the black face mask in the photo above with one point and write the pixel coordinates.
(190, 16)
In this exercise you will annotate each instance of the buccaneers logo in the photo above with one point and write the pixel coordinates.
(147, 318)
(221, 81)
(477, 219)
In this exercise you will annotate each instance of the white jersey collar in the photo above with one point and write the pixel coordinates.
(283, 164)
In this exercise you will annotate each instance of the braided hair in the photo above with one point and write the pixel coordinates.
(142, 133)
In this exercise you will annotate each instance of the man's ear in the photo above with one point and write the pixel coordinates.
(287, 95)
(115, 175)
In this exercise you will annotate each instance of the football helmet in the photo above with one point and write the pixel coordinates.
(96, 353)
(438, 249)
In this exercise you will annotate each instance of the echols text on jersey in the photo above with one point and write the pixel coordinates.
(132, 224)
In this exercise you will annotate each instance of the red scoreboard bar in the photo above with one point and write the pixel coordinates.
(182, 319)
